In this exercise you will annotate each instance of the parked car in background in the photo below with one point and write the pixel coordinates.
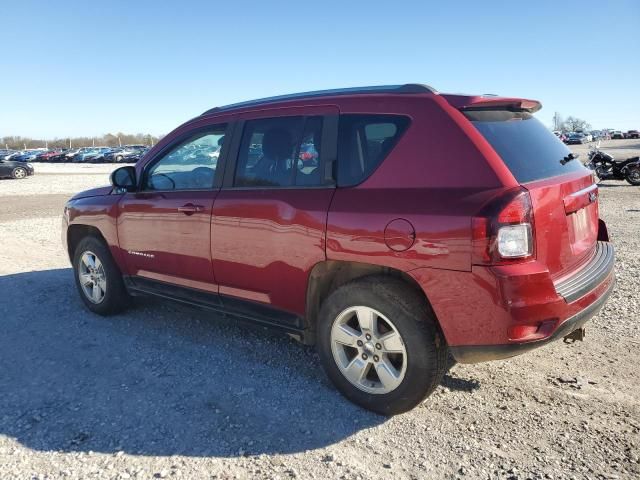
(26, 155)
(617, 135)
(73, 153)
(308, 157)
(49, 155)
(100, 157)
(575, 138)
(60, 156)
(12, 155)
(633, 134)
(385, 254)
(40, 155)
(5, 154)
(587, 136)
(561, 136)
(122, 154)
(13, 169)
(88, 155)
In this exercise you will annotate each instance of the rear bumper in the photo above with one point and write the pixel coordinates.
(484, 353)
(590, 276)
(493, 313)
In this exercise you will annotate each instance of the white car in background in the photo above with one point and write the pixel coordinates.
(617, 134)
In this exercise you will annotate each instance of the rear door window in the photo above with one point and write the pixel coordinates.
(526, 146)
(280, 152)
(363, 143)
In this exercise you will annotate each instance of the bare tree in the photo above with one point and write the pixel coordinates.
(574, 124)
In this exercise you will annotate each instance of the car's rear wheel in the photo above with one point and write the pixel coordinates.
(633, 176)
(379, 343)
(19, 172)
(98, 278)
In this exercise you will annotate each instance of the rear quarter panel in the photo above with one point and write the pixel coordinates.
(437, 177)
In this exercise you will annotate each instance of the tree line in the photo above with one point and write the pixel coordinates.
(108, 140)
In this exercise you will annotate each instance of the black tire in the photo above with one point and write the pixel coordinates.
(19, 172)
(116, 299)
(426, 350)
(633, 176)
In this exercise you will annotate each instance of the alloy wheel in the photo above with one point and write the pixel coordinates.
(368, 350)
(19, 172)
(92, 276)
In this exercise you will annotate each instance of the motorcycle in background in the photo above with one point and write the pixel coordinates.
(608, 168)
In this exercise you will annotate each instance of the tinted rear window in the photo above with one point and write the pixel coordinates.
(525, 145)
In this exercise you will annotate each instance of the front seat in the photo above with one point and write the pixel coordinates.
(275, 165)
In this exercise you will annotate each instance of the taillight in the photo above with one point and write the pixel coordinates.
(503, 231)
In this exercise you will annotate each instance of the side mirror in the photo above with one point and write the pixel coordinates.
(124, 179)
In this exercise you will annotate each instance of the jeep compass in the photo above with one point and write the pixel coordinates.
(393, 227)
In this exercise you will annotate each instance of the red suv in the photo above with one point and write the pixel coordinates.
(427, 226)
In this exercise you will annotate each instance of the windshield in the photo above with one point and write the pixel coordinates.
(525, 145)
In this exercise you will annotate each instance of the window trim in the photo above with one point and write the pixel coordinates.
(220, 166)
(328, 151)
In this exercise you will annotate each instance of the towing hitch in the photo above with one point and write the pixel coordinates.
(574, 336)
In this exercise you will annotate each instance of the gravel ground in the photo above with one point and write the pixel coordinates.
(168, 392)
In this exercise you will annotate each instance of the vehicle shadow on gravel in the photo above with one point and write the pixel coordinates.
(460, 384)
(158, 380)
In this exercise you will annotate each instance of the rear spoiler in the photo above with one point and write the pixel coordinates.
(485, 102)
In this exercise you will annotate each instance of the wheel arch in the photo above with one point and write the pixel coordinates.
(76, 232)
(327, 276)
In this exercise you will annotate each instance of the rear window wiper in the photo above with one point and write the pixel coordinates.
(568, 158)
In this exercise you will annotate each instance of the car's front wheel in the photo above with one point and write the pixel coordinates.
(19, 172)
(379, 343)
(98, 278)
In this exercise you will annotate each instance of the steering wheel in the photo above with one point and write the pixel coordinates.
(173, 183)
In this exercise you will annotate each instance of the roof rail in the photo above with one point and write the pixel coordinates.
(402, 89)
